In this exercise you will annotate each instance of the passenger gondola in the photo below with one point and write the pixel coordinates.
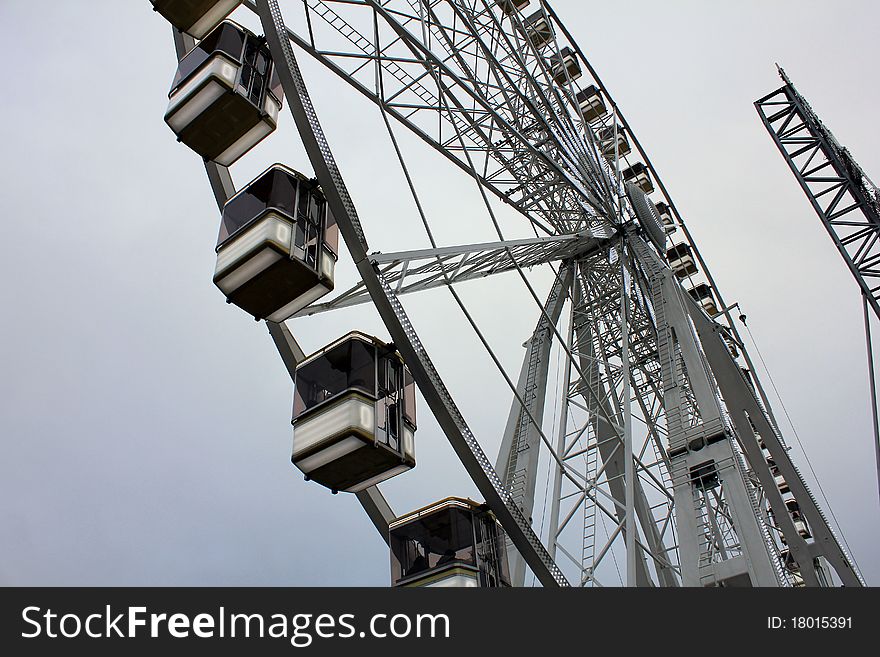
(605, 137)
(702, 294)
(666, 218)
(680, 260)
(591, 104)
(638, 174)
(564, 66)
(452, 543)
(354, 414)
(781, 484)
(226, 96)
(794, 510)
(538, 30)
(277, 248)
(511, 6)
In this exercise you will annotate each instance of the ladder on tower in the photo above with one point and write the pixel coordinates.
(516, 476)
(588, 545)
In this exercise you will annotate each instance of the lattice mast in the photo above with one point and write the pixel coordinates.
(845, 199)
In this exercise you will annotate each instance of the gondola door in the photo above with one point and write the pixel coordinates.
(389, 406)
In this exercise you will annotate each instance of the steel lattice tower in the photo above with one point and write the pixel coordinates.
(845, 199)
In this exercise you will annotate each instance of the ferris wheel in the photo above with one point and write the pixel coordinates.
(666, 466)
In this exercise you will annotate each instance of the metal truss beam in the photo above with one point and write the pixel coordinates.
(847, 202)
(425, 269)
(593, 434)
(613, 454)
(600, 343)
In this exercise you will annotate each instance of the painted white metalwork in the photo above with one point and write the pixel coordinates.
(656, 470)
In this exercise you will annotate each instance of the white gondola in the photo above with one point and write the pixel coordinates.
(605, 137)
(452, 543)
(277, 248)
(564, 66)
(680, 260)
(638, 174)
(195, 17)
(354, 414)
(226, 96)
(591, 104)
(797, 517)
(538, 30)
(666, 218)
(702, 293)
(801, 528)
(510, 6)
(781, 484)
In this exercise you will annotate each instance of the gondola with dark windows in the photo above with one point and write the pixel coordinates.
(538, 30)
(731, 347)
(639, 175)
(702, 294)
(681, 260)
(354, 414)
(791, 566)
(452, 543)
(797, 517)
(666, 218)
(226, 95)
(781, 484)
(591, 104)
(195, 17)
(605, 137)
(564, 66)
(277, 248)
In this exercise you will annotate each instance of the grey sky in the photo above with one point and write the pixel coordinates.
(145, 423)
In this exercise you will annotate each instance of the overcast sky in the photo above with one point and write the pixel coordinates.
(146, 423)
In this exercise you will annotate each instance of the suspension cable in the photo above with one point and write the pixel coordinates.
(873, 384)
